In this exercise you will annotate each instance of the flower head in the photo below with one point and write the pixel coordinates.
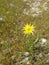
(28, 29)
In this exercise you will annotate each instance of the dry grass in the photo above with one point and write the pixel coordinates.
(13, 43)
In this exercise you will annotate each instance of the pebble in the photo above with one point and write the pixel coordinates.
(43, 41)
(1, 18)
(25, 60)
(26, 53)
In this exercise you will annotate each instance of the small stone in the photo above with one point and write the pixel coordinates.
(25, 60)
(43, 41)
(1, 18)
(26, 53)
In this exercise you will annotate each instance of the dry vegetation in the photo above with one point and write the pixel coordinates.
(17, 48)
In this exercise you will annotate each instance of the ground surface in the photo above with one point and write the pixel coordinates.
(14, 47)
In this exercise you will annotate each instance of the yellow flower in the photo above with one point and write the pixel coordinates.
(28, 29)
